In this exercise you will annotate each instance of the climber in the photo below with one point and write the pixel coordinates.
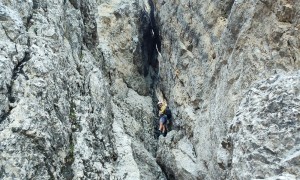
(162, 106)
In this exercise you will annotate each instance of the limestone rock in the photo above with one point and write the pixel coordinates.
(80, 79)
(177, 157)
(265, 131)
(211, 54)
(76, 103)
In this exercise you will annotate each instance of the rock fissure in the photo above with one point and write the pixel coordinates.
(18, 69)
(66, 170)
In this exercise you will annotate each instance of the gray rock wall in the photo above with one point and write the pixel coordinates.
(264, 135)
(79, 82)
(212, 54)
(76, 103)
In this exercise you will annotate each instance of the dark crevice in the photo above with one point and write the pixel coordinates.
(19, 68)
(28, 22)
(151, 46)
(156, 38)
(4, 114)
(67, 170)
(170, 175)
(90, 37)
(75, 3)
(228, 8)
(36, 4)
(150, 42)
(16, 71)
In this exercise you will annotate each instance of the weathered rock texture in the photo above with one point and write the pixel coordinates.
(78, 80)
(265, 131)
(212, 54)
(76, 101)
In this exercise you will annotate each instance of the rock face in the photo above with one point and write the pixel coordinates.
(75, 90)
(79, 82)
(213, 52)
(265, 131)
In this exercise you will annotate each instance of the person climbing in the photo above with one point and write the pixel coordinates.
(162, 106)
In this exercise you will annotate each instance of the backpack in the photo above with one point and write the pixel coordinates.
(168, 113)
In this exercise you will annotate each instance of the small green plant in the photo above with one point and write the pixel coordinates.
(71, 153)
(70, 157)
(80, 55)
(72, 115)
